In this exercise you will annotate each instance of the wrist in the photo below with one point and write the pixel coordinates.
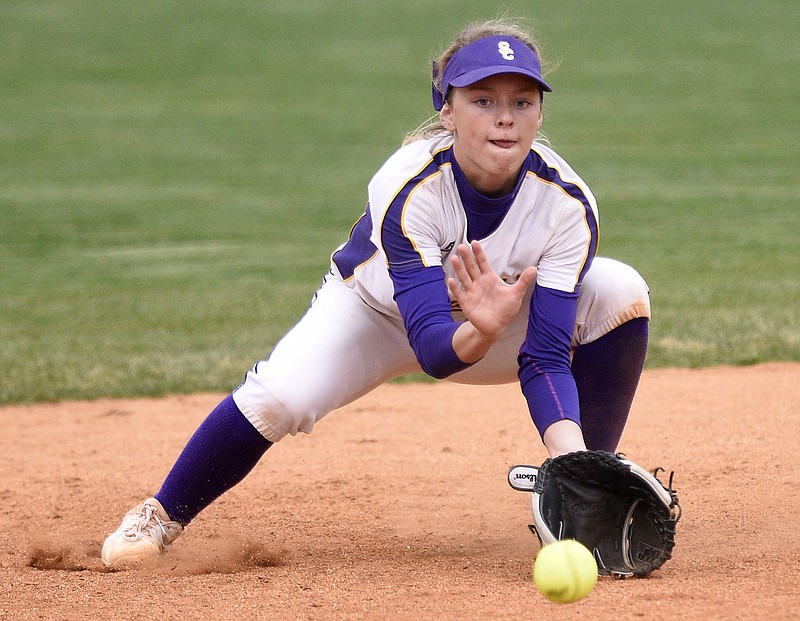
(564, 436)
(470, 344)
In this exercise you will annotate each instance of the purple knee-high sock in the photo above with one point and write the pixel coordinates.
(607, 373)
(223, 450)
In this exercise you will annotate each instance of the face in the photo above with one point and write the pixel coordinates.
(494, 123)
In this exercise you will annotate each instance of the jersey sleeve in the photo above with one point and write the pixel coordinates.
(570, 250)
(569, 254)
(406, 199)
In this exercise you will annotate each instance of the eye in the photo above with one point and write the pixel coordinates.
(522, 104)
(483, 101)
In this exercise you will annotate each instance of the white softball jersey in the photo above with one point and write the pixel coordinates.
(353, 338)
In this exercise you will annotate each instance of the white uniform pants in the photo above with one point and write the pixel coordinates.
(342, 349)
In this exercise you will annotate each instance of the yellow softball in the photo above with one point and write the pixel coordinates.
(565, 571)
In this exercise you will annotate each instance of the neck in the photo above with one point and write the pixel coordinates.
(490, 183)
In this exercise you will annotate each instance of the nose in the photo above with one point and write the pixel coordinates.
(505, 116)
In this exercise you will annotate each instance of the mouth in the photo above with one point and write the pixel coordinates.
(504, 144)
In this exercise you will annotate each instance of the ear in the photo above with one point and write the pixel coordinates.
(539, 121)
(446, 117)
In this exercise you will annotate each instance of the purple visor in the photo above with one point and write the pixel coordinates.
(487, 57)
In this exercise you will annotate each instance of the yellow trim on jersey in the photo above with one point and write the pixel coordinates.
(349, 237)
(438, 173)
(360, 265)
(584, 207)
(427, 163)
(585, 219)
(586, 255)
(554, 165)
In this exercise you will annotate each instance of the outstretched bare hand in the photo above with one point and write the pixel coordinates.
(489, 303)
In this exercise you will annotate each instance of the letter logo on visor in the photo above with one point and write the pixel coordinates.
(505, 50)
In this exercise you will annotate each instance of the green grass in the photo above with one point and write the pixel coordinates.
(174, 175)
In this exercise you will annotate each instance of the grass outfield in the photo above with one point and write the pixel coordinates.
(174, 175)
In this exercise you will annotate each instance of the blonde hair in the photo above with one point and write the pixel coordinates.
(470, 34)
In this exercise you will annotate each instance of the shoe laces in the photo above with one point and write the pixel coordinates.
(146, 520)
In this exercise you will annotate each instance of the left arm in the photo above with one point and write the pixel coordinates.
(545, 374)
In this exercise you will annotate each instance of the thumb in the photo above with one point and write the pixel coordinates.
(526, 278)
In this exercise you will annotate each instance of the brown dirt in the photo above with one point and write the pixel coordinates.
(397, 507)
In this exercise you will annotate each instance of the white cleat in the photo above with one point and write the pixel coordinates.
(144, 535)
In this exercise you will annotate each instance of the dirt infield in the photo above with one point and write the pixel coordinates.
(397, 507)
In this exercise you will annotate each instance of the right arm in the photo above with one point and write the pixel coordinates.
(488, 303)
(442, 345)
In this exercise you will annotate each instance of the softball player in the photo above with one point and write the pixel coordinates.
(438, 276)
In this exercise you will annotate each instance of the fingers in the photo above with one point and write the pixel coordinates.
(471, 266)
(481, 258)
(461, 272)
(472, 262)
(455, 288)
